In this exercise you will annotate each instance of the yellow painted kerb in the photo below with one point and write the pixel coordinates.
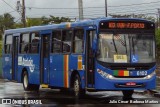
(44, 85)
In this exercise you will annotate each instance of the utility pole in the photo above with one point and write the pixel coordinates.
(23, 14)
(18, 8)
(106, 8)
(158, 17)
(80, 6)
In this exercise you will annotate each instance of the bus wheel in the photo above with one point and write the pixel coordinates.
(127, 94)
(27, 86)
(78, 92)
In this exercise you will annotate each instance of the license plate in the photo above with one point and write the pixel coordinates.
(130, 84)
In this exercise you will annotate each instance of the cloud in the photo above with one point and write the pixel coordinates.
(88, 12)
(52, 3)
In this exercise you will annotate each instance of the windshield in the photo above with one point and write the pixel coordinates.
(126, 48)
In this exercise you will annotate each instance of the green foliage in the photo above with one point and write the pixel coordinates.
(0, 48)
(158, 37)
(143, 16)
(18, 25)
(6, 22)
(158, 44)
(53, 19)
(33, 22)
(42, 21)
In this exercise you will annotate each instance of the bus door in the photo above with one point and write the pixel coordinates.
(15, 57)
(90, 63)
(45, 56)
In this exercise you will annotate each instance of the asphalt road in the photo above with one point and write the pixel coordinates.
(50, 97)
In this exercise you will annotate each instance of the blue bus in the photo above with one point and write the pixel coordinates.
(105, 54)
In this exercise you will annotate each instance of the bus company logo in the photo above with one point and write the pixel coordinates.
(6, 59)
(21, 101)
(28, 62)
(102, 73)
(6, 101)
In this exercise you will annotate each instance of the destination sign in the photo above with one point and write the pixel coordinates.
(126, 25)
(123, 25)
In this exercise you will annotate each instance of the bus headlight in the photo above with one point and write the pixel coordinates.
(150, 75)
(110, 76)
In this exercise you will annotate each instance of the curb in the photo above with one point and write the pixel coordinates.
(157, 95)
(158, 77)
(154, 93)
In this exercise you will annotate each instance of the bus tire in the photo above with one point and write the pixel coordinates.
(26, 85)
(78, 91)
(127, 94)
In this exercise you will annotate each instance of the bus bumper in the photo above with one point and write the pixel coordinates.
(130, 84)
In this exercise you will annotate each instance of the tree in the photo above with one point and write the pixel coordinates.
(53, 19)
(158, 37)
(158, 44)
(45, 20)
(6, 22)
(143, 16)
(18, 25)
(33, 22)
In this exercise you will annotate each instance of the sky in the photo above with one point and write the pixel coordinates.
(69, 8)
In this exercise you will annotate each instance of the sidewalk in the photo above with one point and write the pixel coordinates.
(157, 94)
(0, 67)
(158, 71)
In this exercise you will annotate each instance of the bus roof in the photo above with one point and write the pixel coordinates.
(82, 23)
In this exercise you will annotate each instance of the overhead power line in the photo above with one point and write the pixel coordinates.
(148, 8)
(10, 11)
(9, 5)
(91, 12)
(18, 20)
(94, 7)
(135, 4)
(136, 10)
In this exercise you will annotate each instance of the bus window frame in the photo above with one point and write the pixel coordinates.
(69, 29)
(78, 28)
(61, 53)
(52, 42)
(4, 44)
(30, 43)
(30, 40)
(20, 43)
(124, 31)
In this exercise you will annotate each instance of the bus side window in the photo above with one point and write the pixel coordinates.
(34, 42)
(66, 38)
(24, 43)
(78, 41)
(56, 42)
(8, 44)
